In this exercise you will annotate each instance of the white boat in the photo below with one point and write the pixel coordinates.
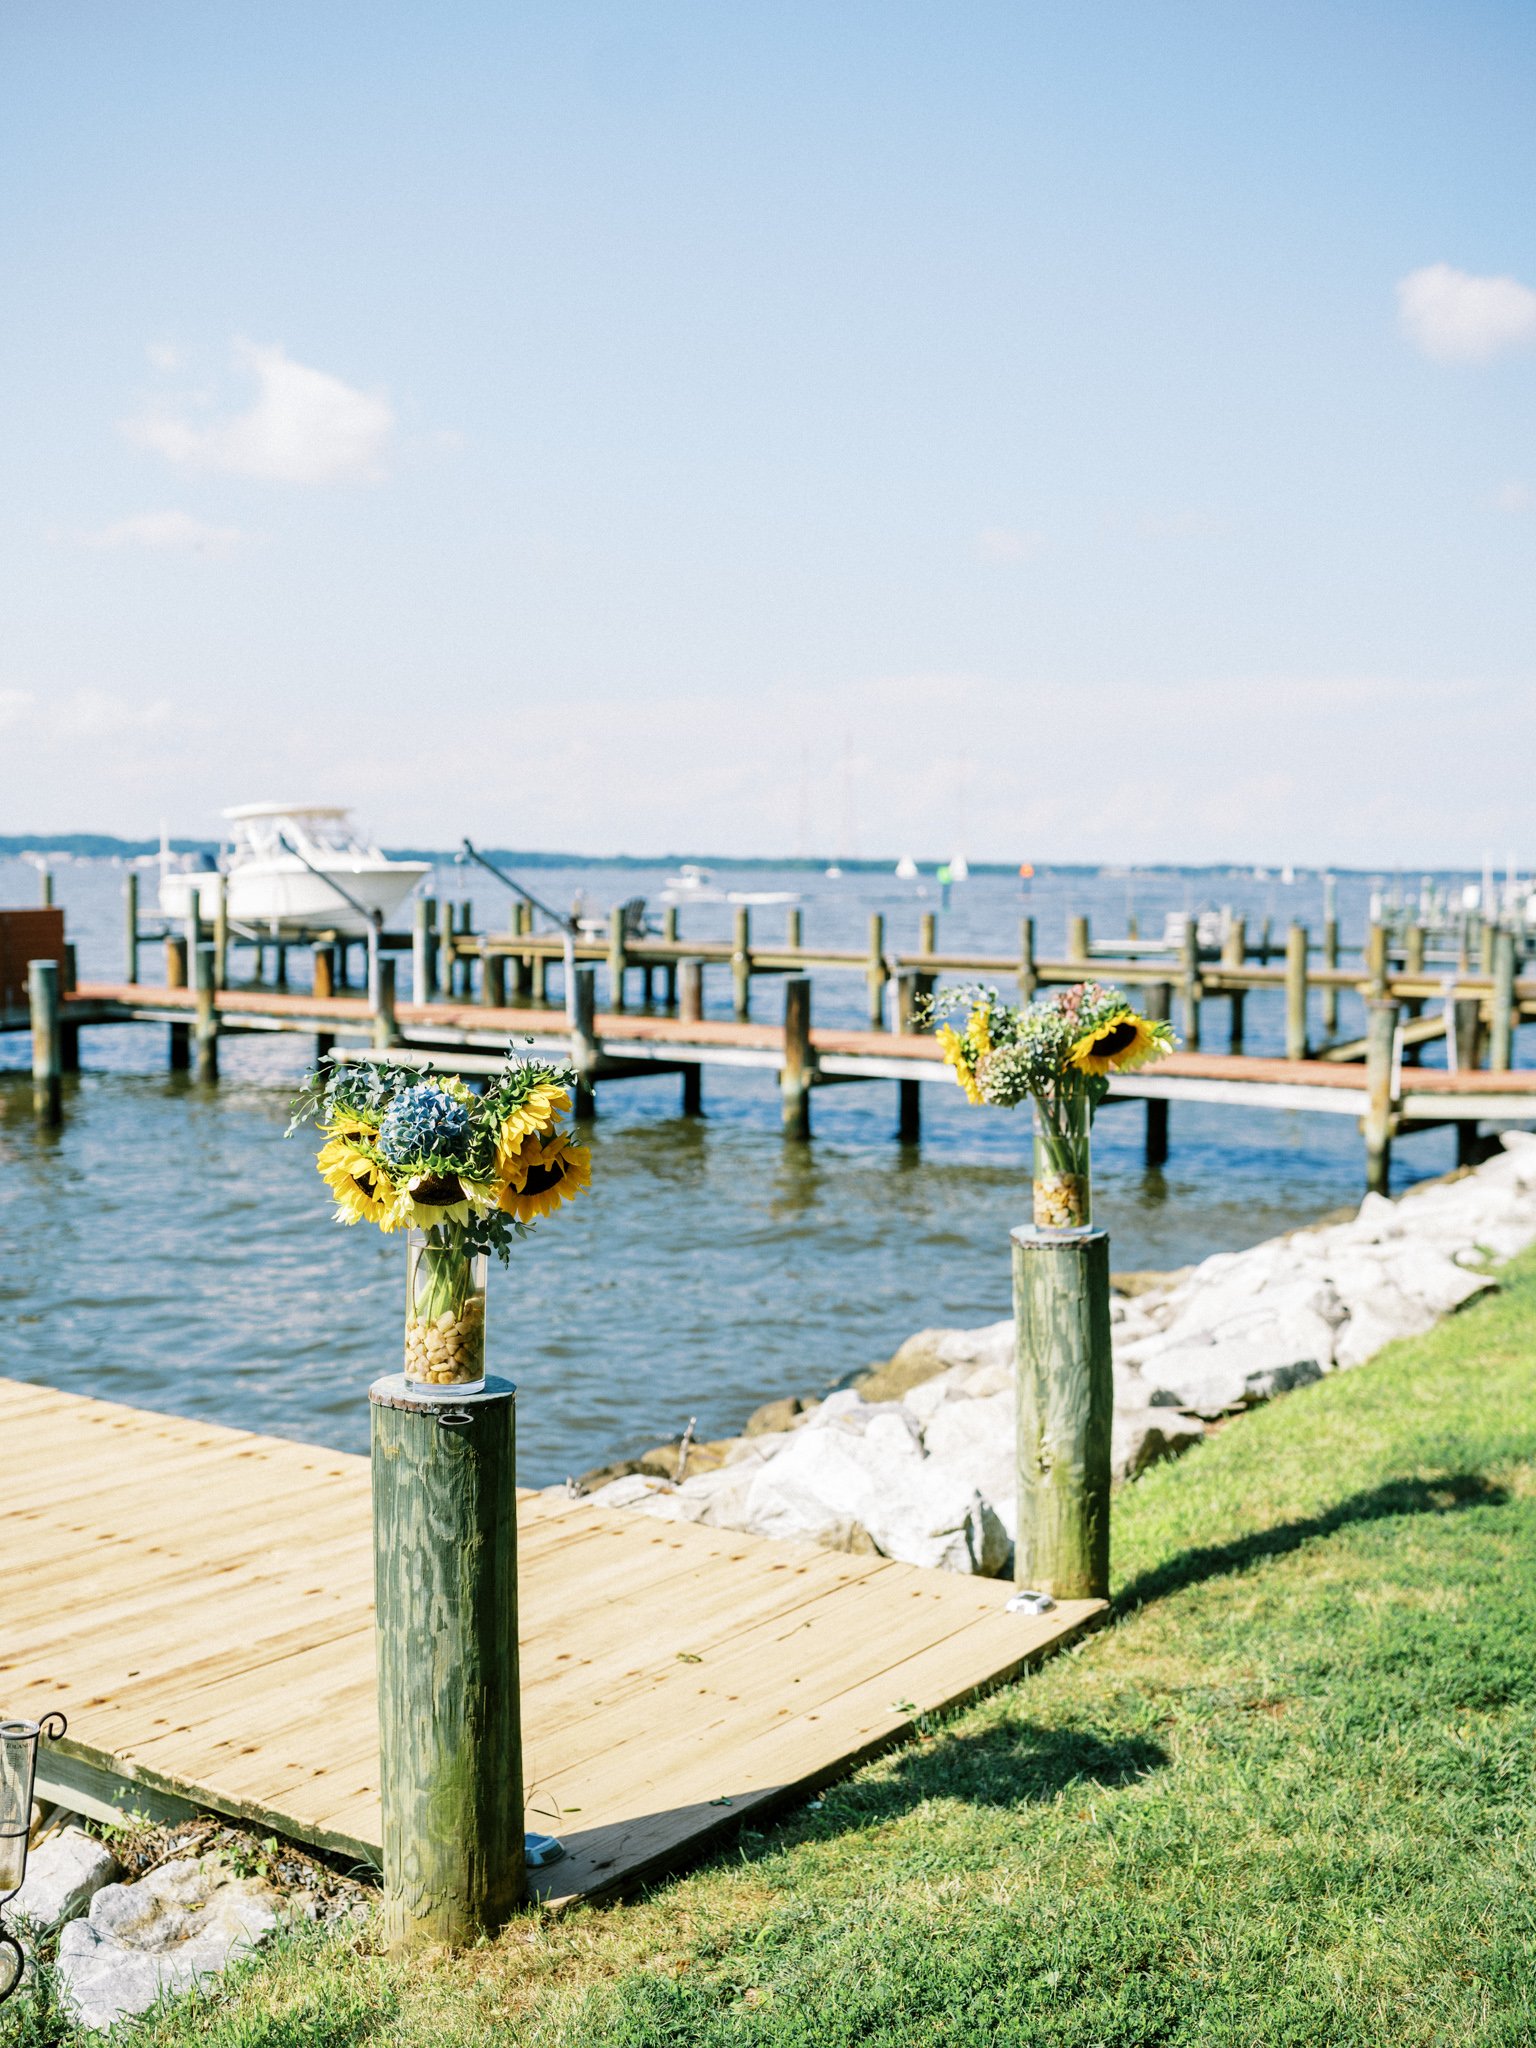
(906, 869)
(697, 885)
(292, 868)
(959, 868)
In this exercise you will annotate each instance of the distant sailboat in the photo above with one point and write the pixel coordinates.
(906, 869)
(959, 868)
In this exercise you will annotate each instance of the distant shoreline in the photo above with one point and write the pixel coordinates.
(102, 846)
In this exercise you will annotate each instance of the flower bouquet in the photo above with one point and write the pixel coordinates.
(1058, 1053)
(462, 1174)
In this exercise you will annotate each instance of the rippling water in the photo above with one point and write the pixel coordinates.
(168, 1248)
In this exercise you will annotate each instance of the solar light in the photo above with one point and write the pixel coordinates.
(18, 1768)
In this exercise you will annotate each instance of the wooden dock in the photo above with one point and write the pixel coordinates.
(198, 1601)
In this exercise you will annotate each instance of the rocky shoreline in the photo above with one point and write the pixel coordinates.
(915, 1459)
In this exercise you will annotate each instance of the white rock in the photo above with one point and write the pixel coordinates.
(1145, 1436)
(1378, 1318)
(64, 1873)
(173, 1929)
(974, 1440)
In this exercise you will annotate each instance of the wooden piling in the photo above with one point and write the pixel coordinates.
(912, 993)
(221, 935)
(131, 926)
(1028, 980)
(1381, 1114)
(669, 971)
(741, 963)
(205, 1021)
(1501, 1027)
(522, 963)
(386, 1031)
(493, 980)
(422, 977)
(47, 1047)
(690, 991)
(584, 1041)
(1234, 953)
(1330, 1003)
(1078, 942)
(69, 1034)
(877, 972)
(618, 957)
(794, 931)
(446, 959)
(1065, 1410)
(45, 885)
(1467, 1023)
(281, 975)
(1486, 939)
(445, 1580)
(325, 973)
(1377, 962)
(1296, 947)
(1189, 985)
(1157, 1003)
(795, 1075)
(179, 1056)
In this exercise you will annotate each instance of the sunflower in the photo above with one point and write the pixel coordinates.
(1118, 1044)
(957, 1056)
(360, 1186)
(534, 1117)
(350, 1123)
(978, 1031)
(428, 1199)
(543, 1174)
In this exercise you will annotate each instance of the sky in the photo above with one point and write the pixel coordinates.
(1045, 432)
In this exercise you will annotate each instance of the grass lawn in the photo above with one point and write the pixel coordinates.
(1285, 1798)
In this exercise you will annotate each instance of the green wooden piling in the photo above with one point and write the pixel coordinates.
(741, 963)
(445, 1581)
(795, 1075)
(1501, 1031)
(584, 1041)
(877, 972)
(131, 926)
(47, 1047)
(1065, 1411)
(1296, 946)
(1027, 978)
(205, 1021)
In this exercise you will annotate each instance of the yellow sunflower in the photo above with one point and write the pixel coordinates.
(428, 1199)
(361, 1188)
(347, 1123)
(978, 1029)
(533, 1117)
(1118, 1045)
(955, 1055)
(543, 1174)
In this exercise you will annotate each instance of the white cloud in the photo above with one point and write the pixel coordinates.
(1004, 544)
(1515, 498)
(1458, 318)
(306, 426)
(166, 533)
(164, 355)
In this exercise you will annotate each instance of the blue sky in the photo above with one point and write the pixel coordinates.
(1064, 432)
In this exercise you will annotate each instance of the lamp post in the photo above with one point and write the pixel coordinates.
(18, 1768)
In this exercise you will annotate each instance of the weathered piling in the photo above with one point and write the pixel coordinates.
(1381, 1114)
(669, 971)
(1027, 978)
(180, 1050)
(1079, 942)
(1377, 960)
(618, 957)
(795, 1075)
(690, 1010)
(1296, 946)
(1501, 1020)
(205, 1017)
(1157, 1003)
(1065, 1408)
(423, 940)
(584, 1041)
(325, 972)
(131, 927)
(386, 1032)
(794, 930)
(47, 1047)
(1190, 990)
(1234, 953)
(45, 885)
(447, 959)
(913, 990)
(445, 1580)
(1330, 1002)
(741, 963)
(221, 936)
(69, 1034)
(877, 973)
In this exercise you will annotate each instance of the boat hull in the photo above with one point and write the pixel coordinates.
(285, 897)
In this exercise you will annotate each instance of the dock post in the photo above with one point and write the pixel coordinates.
(1028, 979)
(1413, 964)
(446, 958)
(1330, 992)
(912, 990)
(618, 958)
(69, 1034)
(1296, 945)
(1377, 961)
(795, 1075)
(1234, 953)
(47, 1051)
(584, 1040)
(1078, 942)
(221, 936)
(325, 972)
(522, 963)
(741, 963)
(1065, 1410)
(450, 1736)
(45, 885)
(386, 1032)
(669, 970)
(205, 1028)
(1265, 943)
(1381, 1112)
(1189, 985)
(131, 926)
(794, 931)
(1157, 1003)
(877, 971)
(180, 1055)
(1485, 944)
(422, 941)
(928, 933)
(1501, 1031)
(493, 980)
(690, 1010)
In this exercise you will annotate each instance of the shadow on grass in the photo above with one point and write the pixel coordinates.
(1442, 1496)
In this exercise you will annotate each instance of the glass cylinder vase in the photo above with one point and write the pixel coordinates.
(1063, 1177)
(444, 1314)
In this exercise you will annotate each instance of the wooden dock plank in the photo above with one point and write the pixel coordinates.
(198, 1600)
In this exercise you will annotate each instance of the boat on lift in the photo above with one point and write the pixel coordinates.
(293, 868)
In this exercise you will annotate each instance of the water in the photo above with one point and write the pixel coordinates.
(168, 1248)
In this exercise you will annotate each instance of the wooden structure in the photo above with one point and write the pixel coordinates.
(1065, 1412)
(198, 1601)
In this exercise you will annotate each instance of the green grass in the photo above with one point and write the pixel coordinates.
(1285, 1799)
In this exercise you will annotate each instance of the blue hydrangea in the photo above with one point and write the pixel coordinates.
(424, 1122)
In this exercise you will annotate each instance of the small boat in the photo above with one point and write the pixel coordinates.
(278, 873)
(697, 885)
(959, 868)
(906, 869)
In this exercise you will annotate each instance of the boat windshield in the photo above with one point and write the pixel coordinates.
(319, 836)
